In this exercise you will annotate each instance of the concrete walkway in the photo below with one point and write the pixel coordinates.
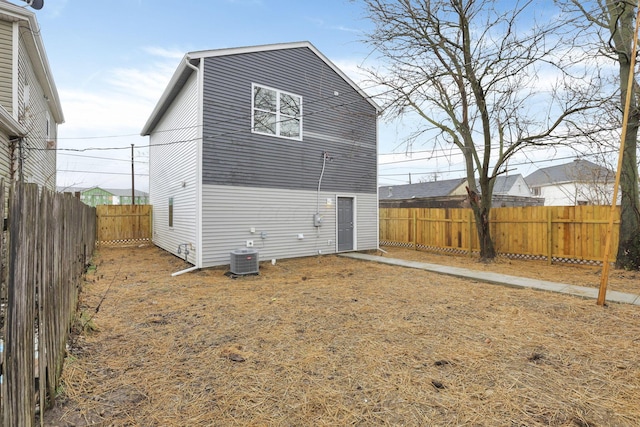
(502, 279)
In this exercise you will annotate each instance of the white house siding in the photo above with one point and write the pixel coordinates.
(278, 217)
(6, 93)
(367, 222)
(560, 194)
(571, 194)
(4, 158)
(519, 188)
(173, 173)
(6, 65)
(39, 162)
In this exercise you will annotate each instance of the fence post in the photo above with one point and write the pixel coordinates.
(470, 224)
(549, 238)
(415, 229)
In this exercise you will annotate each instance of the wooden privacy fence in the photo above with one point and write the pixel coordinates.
(49, 239)
(118, 224)
(574, 234)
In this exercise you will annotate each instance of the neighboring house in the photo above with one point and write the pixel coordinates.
(512, 190)
(509, 190)
(434, 194)
(270, 147)
(123, 197)
(30, 108)
(579, 182)
(95, 196)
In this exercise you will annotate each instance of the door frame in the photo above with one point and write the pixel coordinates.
(355, 221)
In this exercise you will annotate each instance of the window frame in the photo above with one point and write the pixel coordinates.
(170, 212)
(279, 115)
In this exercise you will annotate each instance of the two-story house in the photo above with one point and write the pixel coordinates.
(269, 147)
(579, 182)
(30, 108)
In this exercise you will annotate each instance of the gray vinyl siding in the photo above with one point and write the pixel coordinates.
(6, 65)
(173, 172)
(39, 162)
(342, 125)
(230, 213)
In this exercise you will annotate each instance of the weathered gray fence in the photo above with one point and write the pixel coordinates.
(48, 241)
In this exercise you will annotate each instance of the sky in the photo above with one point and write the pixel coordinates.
(112, 59)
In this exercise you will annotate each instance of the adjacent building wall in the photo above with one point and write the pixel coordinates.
(38, 147)
(6, 65)
(173, 172)
(29, 155)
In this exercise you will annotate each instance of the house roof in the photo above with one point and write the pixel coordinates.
(35, 49)
(419, 190)
(192, 59)
(503, 184)
(440, 188)
(579, 170)
(125, 193)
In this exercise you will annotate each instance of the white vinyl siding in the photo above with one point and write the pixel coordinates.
(6, 65)
(173, 168)
(4, 159)
(34, 114)
(367, 224)
(280, 216)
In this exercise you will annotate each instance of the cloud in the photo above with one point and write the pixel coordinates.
(120, 99)
(320, 23)
(101, 114)
(162, 52)
(54, 9)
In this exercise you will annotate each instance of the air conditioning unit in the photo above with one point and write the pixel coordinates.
(244, 261)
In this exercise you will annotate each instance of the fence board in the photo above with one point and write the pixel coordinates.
(123, 223)
(50, 238)
(560, 233)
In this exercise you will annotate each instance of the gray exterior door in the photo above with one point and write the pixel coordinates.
(345, 224)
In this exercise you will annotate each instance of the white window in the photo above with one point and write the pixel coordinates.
(276, 113)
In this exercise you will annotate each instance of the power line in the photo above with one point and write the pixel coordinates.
(511, 164)
(102, 173)
(102, 158)
(232, 119)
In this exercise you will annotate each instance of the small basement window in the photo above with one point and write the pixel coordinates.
(276, 113)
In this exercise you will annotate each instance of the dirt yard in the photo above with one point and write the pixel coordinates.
(330, 341)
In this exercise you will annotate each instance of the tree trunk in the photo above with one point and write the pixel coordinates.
(481, 208)
(628, 256)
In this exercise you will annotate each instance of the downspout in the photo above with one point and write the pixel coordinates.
(188, 270)
(198, 226)
(324, 163)
(189, 64)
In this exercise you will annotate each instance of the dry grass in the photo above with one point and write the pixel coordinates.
(329, 341)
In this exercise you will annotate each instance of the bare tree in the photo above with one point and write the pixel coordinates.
(611, 23)
(482, 75)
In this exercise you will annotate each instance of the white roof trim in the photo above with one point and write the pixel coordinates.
(11, 125)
